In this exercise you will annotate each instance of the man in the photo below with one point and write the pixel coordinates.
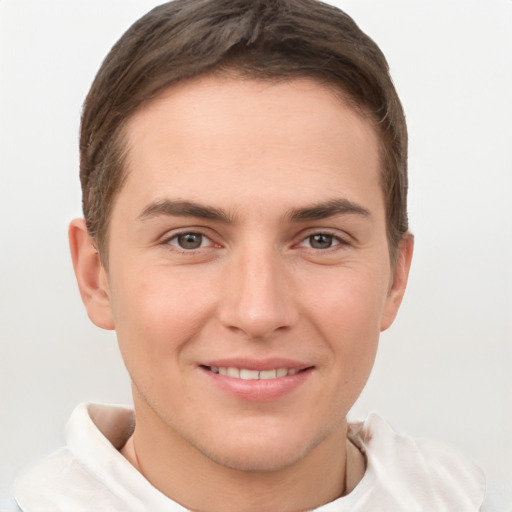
(243, 168)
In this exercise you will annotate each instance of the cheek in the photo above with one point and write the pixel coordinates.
(351, 301)
(348, 315)
(156, 314)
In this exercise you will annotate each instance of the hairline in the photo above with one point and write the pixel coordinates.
(120, 140)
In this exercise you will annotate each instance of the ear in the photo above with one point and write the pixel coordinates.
(399, 282)
(90, 275)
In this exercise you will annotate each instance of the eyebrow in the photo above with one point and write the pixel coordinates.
(328, 209)
(191, 209)
(184, 209)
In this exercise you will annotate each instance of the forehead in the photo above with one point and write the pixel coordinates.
(215, 134)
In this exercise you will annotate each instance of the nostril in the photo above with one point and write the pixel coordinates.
(257, 333)
(258, 301)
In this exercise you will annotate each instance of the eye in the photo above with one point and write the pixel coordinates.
(189, 241)
(321, 241)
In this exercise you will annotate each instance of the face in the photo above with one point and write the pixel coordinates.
(249, 272)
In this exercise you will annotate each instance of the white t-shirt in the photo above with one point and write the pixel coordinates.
(403, 474)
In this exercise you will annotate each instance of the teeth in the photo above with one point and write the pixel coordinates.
(233, 372)
(245, 374)
(268, 374)
(249, 374)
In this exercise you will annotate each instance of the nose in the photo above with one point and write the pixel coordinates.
(258, 297)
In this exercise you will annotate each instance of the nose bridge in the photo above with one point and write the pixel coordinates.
(257, 298)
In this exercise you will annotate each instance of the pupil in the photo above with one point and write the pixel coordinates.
(320, 241)
(190, 240)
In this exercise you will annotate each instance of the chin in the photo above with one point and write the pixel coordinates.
(257, 460)
(262, 452)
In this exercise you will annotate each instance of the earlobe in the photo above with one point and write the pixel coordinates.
(90, 275)
(399, 283)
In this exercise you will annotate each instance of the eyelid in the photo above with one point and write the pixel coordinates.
(175, 233)
(342, 238)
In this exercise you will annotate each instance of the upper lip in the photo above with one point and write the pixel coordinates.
(257, 364)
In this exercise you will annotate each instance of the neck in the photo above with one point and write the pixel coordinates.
(183, 473)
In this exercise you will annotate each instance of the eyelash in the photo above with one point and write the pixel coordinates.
(175, 237)
(336, 241)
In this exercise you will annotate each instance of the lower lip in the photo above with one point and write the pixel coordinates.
(258, 390)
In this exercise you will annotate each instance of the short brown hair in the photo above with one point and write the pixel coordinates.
(261, 39)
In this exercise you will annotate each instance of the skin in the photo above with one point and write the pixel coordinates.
(260, 286)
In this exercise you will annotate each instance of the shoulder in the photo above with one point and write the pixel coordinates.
(90, 473)
(67, 476)
(424, 474)
(43, 485)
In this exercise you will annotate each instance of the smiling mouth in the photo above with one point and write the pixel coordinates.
(246, 374)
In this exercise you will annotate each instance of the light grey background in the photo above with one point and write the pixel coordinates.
(444, 369)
